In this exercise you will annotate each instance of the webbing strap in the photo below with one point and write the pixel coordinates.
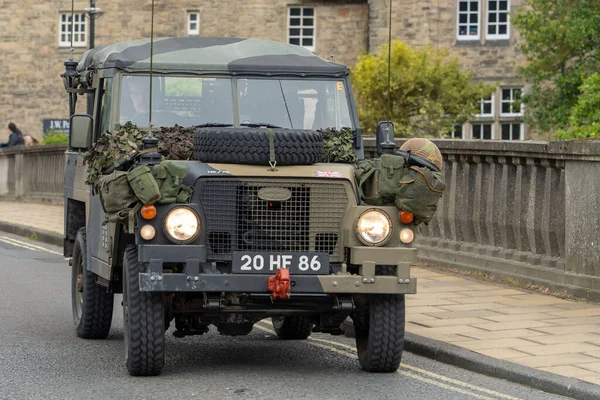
(132, 215)
(272, 161)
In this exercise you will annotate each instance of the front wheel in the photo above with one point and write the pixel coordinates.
(143, 321)
(379, 323)
(91, 303)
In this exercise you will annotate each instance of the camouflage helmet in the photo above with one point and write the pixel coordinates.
(424, 148)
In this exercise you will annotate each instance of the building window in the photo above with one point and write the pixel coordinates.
(457, 132)
(511, 104)
(482, 131)
(512, 131)
(497, 19)
(79, 30)
(468, 20)
(301, 27)
(193, 26)
(486, 107)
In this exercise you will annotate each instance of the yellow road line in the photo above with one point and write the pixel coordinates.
(412, 368)
(27, 245)
(18, 245)
(405, 373)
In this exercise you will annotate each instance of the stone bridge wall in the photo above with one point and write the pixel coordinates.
(528, 211)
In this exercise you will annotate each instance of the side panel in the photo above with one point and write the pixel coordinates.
(99, 239)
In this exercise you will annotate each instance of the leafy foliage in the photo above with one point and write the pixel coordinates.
(55, 137)
(584, 121)
(338, 145)
(562, 47)
(429, 92)
(174, 143)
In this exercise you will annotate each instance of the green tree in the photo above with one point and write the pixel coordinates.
(584, 121)
(562, 46)
(430, 93)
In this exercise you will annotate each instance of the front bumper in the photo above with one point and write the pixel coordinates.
(197, 278)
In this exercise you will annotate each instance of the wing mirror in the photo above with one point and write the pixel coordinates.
(384, 138)
(80, 132)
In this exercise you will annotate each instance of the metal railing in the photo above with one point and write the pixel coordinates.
(34, 174)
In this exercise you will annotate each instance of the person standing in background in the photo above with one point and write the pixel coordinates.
(15, 138)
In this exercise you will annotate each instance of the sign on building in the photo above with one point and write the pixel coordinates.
(57, 125)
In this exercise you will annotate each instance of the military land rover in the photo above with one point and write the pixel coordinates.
(269, 229)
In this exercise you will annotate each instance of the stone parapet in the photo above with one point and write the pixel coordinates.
(517, 209)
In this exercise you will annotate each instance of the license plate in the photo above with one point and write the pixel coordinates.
(268, 263)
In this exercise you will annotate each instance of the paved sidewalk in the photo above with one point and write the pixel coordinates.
(535, 330)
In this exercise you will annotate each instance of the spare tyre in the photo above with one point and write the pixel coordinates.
(251, 146)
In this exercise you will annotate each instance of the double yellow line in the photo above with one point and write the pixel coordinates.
(406, 370)
(25, 245)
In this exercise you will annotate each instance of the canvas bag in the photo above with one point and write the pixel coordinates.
(419, 193)
(379, 179)
(143, 184)
(115, 192)
(169, 177)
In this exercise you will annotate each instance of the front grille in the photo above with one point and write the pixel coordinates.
(239, 220)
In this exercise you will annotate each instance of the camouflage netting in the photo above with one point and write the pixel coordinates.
(338, 145)
(112, 148)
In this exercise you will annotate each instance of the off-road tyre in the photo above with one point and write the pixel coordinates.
(379, 322)
(143, 321)
(251, 146)
(292, 328)
(92, 308)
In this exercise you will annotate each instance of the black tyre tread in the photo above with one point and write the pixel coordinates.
(380, 324)
(251, 146)
(294, 328)
(97, 310)
(146, 355)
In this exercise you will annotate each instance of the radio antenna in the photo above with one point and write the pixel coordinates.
(151, 57)
(389, 66)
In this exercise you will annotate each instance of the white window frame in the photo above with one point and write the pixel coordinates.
(511, 123)
(190, 31)
(302, 27)
(497, 12)
(468, 37)
(66, 23)
(489, 100)
(490, 123)
(511, 101)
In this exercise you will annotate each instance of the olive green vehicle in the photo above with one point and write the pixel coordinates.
(270, 230)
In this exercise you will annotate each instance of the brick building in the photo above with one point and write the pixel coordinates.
(35, 43)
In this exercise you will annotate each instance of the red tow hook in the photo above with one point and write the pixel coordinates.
(279, 284)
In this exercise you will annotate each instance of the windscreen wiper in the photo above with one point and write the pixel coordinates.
(259, 125)
(213, 125)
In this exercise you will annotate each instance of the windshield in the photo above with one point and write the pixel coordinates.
(192, 101)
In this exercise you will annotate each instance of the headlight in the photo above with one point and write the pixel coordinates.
(374, 227)
(182, 225)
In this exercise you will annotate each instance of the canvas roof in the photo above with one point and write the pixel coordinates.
(195, 54)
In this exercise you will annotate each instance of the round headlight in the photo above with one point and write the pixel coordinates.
(182, 225)
(374, 227)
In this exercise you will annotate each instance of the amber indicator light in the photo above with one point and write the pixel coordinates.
(148, 211)
(406, 217)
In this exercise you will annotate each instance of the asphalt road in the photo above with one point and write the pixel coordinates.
(42, 358)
